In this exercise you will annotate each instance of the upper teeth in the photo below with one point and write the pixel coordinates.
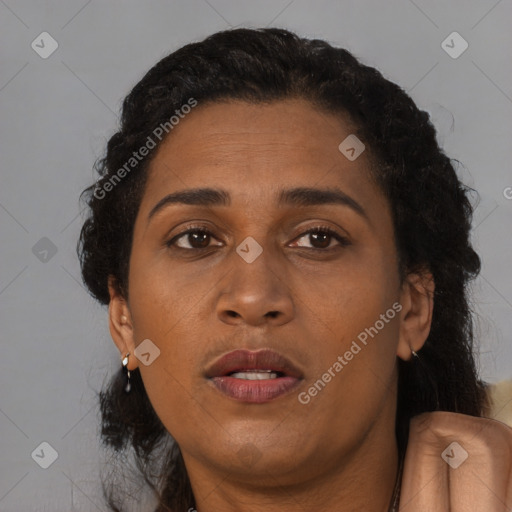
(255, 375)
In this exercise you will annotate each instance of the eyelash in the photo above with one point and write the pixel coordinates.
(344, 242)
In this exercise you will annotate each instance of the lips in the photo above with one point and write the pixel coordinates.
(254, 377)
(244, 360)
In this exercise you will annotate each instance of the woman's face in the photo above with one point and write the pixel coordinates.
(257, 280)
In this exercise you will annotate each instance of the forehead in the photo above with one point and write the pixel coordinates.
(255, 150)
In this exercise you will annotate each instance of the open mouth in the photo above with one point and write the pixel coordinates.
(256, 374)
(254, 377)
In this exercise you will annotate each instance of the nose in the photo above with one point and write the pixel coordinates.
(256, 293)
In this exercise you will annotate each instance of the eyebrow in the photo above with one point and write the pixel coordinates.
(299, 197)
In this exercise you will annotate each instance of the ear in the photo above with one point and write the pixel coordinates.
(417, 300)
(120, 324)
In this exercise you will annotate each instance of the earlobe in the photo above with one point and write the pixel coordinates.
(417, 301)
(120, 324)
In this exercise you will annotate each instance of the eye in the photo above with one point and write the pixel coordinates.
(198, 238)
(194, 238)
(322, 236)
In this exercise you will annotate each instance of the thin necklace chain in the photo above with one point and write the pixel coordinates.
(396, 492)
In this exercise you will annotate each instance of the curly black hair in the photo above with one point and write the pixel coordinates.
(431, 212)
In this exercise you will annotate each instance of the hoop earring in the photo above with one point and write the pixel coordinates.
(128, 386)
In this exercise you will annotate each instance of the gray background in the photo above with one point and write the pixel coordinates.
(56, 115)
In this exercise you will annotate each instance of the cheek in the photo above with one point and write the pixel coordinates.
(359, 371)
(173, 400)
(356, 301)
(164, 310)
(361, 323)
(170, 379)
(162, 296)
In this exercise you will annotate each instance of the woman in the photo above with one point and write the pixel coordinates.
(285, 250)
